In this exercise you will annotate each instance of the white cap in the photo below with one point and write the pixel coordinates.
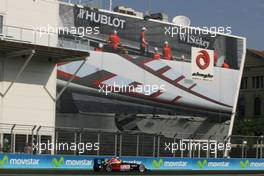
(100, 45)
(166, 42)
(115, 32)
(182, 56)
(144, 28)
(156, 49)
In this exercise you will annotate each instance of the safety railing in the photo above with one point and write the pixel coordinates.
(30, 36)
(24, 139)
(45, 36)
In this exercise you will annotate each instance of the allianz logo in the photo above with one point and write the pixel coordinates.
(175, 164)
(79, 162)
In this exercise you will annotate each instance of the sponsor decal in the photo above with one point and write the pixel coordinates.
(212, 164)
(244, 164)
(157, 164)
(25, 162)
(96, 18)
(70, 162)
(79, 162)
(202, 63)
(251, 164)
(57, 162)
(133, 161)
(194, 40)
(175, 164)
(4, 161)
(17, 161)
(124, 167)
(201, 164)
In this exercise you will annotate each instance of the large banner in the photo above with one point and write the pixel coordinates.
(23, 161)
(196, 79)
(181, 40)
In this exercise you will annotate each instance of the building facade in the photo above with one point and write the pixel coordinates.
(251, 98)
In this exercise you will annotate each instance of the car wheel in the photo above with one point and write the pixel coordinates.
(108, 168)
(141, 168)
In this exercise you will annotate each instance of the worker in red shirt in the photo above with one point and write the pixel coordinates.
(225, 65)
(100, 47)
(143, 42)
(156, 54)
(215, 58)
(167, 51)
(114, 41)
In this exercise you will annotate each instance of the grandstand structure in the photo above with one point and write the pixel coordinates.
(37, 104)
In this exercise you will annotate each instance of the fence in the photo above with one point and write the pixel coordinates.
(19, 138)
(47, 37)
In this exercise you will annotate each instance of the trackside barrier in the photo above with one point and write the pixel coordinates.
(26, 161)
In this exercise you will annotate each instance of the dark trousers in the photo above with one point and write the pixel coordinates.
(143, 51)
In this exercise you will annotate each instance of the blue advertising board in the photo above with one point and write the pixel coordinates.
(24, 161)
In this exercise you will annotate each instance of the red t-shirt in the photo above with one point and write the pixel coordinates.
(143, 40)
(215, 58)
(167, 52)
(114, 41)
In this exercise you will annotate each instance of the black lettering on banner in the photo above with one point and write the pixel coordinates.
(90, 17)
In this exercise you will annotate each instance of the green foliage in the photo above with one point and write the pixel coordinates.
(249, 126)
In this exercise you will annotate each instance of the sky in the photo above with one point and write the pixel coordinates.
(245, 17)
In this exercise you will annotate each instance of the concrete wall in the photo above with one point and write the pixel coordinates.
(103, 121)
(31, 14)
(27, 102)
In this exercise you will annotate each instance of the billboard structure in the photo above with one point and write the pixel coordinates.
(193, 83)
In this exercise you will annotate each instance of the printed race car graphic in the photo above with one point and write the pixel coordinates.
(115, 164)
(110, 69)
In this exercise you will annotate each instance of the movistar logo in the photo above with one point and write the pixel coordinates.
(244, 164)
(4, 160)
(201, 164)
(157, 164)
(57, 162)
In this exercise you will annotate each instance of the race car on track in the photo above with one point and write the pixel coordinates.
(115, 164)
